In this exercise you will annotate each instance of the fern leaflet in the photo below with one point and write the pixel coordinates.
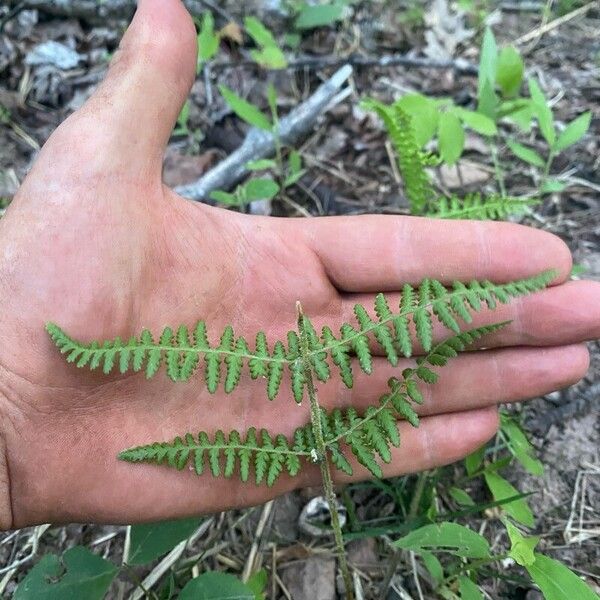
(411, 159)
(181, 353)
(475, 206)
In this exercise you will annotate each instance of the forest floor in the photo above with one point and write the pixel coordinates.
(349, 172)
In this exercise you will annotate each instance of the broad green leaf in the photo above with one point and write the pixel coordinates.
(261, 165)
(519, 445)
(151, 540)
(216, 586)
(433, 565)
(474, 460)
(521, 547)
(260, 189)
(208, 41)
(573, 132)
(487, 74)
(224, 197)
(78, 574)
(542, 112)
(523, 118)
(270, 57)
(295, 162)
(509, 71)
(526, 154)
(318, 15)
(557, 581)
(552, 186)
(245, 110)
(476, 121)
(446, 537)
(501, 489)
(468, 589)
(292, 178)
(258, 32)
(258, 583)
(451, 138)
(488, 101)
(461, 496)
(424, 113)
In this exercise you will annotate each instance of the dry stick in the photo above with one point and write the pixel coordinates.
(356, 60)
(264, 517)
(540, 31)
(260, 143)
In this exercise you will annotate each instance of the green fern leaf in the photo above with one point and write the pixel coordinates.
(411, 160)
(475, 206)
(391, 331)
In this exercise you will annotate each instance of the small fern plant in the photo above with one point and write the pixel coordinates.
(413, 163)
(330, 436)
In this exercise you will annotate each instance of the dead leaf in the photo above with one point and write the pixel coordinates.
(232, 32)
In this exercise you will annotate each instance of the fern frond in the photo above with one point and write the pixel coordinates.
(369, 438)
(476, 206)
(182, 353)
(412, 161)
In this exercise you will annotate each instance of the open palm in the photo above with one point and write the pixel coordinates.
(96, 243)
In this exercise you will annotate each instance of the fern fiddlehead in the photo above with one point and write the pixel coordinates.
(369, 437)
(181, 352)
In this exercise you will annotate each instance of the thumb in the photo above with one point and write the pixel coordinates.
(133, 111)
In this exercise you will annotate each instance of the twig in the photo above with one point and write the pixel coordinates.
(33, 541)
(260, 528)
(260, 144)
(356, 60)
(540, 31)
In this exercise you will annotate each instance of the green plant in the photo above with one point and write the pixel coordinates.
(285, 173)
(409, 131)
(555, 580)
(311, 16)
(268, 54)
(79, 573)
(414, 120)
(208, 40)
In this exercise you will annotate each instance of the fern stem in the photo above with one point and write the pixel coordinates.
(498, 171)
(321, 449)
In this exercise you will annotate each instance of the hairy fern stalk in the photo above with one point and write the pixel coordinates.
(368, 437)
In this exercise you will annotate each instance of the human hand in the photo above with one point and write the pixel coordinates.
(95, 242)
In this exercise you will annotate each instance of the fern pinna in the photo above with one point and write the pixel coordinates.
(476, 206)
(306, 353)
(181, 352)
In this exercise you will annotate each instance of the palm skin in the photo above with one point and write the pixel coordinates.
(96, 243)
